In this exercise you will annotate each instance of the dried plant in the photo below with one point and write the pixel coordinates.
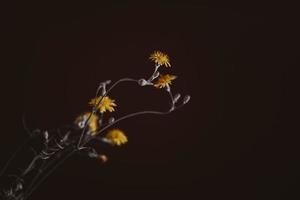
(59, 144)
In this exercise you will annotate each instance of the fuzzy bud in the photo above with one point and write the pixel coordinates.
(19, 186)
(176, 97)
(66, 137)
(103, 158)
(186, 99)
(93, 154)
(46, 135)
(142, 82)
(111, 120)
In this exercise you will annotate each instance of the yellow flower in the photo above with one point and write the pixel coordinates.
(93, 123)
(116, 137)
(105, 104)
(160, 58)
(164, 80)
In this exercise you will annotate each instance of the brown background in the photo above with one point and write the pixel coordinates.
(233, 139)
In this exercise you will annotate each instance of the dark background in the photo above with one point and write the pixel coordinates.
(233, 140)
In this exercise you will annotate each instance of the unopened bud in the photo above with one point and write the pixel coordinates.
(46, 135)
(111, 120)
(81, 124)
(105, 140)
(186, 99)
(103, 158)
(65, 138)
(142, 82)
(176, 97)
(19, 186)
(93, 154)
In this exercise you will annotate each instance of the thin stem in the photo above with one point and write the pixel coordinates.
(96, 105)
(25, 125)
(43, 168)
(30, 165)
(17, 151)
(155, 70)
(101, 119)
(171, 96)
(13, 156)
(141, 113)
(93, 112)
(49, 173)
(129, 116)
(36, 176)
(133, 115)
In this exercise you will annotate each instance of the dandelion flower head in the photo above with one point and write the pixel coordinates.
(93, 122)
(106, 104)
(116, 137)
(164, 80)
(160, 58)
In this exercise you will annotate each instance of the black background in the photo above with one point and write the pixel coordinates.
(233, 140)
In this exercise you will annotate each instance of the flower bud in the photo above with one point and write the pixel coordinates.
(81, 124)
(93, 154)
(103, 158)
(46, 135)
(176, 98)
(186, 99)
(111, 120)
(66, 137)
(105, 140)
(142, 82)
(19, 186)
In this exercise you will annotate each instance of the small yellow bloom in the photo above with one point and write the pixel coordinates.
(93, 123)
(116, 137)
(105, 104)
(160, 58)
(164, 80)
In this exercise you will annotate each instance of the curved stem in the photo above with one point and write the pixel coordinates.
(36, 176)
(96, 105)
(173, 108)
(13, 156)
(49, 173)
(133, 115)
(152, 76)
(129, 116)
(43, 168)
(28, 169)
